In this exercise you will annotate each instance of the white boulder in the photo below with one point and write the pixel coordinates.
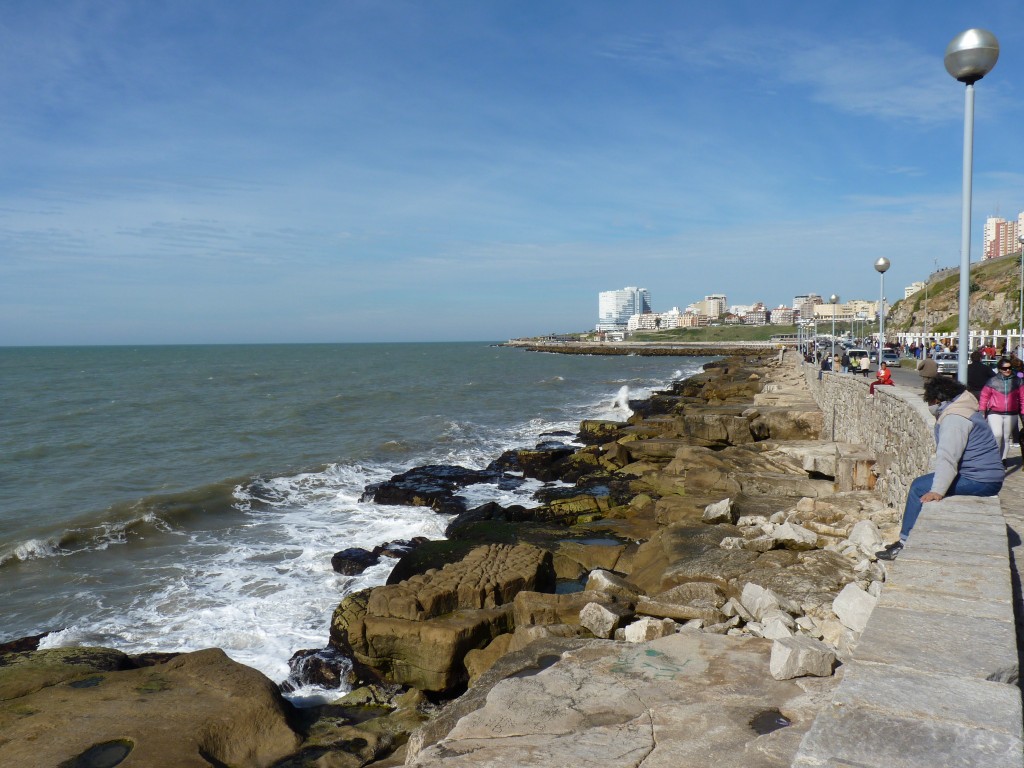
(603, 620)
(800, 656)
(866, 536)
(757, 600)
(795, 537)
(649, 628)
(853, 607)
(719, 512)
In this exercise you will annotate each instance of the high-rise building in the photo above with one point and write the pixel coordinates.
(712, 306)
(1001, 236)
(805, 305)
(614, 308)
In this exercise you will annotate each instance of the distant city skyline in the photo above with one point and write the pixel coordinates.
(401, 171)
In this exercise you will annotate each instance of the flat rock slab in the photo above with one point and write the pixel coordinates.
(923, 599)
(930, 552)
(971, 703)
(908, 639)
(989, 582)
(926, 722)
(686, 699)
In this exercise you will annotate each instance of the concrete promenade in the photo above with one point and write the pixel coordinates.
(933, 680)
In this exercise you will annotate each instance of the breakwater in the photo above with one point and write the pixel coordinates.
(646, 348)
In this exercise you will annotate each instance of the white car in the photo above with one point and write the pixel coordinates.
(948, 362)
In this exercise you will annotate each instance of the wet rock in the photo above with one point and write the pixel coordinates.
(593, 431)
(489, 512)
(433, 486)
(400, 547)
(324, 667)
(352, 562)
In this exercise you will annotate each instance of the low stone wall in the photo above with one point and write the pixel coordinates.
(895, 425)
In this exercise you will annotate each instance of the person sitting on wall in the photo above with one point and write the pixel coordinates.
(967, 459)
(883, 378)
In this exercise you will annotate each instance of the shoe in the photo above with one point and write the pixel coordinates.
(870, 397)
(890, 552)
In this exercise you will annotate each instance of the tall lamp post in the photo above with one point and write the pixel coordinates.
(881, 266)
(969, 57)
(833, 300)
(1020, 311)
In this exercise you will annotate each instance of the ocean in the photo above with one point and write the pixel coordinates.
(181, 497)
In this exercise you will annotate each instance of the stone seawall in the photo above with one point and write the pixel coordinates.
(894, 424)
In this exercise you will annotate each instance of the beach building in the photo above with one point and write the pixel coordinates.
(614, 308)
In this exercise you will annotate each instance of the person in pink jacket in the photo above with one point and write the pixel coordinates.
(1001, 401)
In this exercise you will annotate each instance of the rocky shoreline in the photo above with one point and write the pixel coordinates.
(715, 517)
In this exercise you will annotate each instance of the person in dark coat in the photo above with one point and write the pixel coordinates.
(977, 374)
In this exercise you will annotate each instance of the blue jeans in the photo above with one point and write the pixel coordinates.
(960, 486)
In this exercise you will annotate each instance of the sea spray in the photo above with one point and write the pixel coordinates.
(621, 401)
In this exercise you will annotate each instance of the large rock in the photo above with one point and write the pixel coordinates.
(719, 512)
(431, 486)
(853, 606)
(789, 422)
(197, 709)
(671, 702)
(800, 656)
(603, 619)
(545, 608)
(417, 632)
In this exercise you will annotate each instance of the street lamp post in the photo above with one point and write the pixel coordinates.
(881, 266)
(969, 57)
(833, 300)
(1020, 311)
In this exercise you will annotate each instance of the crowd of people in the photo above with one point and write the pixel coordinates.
(976, 423)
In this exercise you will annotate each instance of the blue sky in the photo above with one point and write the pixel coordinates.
(353, 170)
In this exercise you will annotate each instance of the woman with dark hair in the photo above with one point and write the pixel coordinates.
(967, 461)
(1000, 401)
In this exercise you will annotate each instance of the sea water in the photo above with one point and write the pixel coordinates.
(178, 498)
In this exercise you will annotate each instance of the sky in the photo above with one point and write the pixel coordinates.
(389, 170)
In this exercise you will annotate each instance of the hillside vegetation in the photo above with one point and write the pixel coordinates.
(994, 299)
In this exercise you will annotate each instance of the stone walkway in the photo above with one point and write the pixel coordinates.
(932, 679)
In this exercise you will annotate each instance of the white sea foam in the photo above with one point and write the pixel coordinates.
(32, 549)
(267, 589)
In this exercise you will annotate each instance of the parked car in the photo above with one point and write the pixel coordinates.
(947, 362)
(856, 353)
